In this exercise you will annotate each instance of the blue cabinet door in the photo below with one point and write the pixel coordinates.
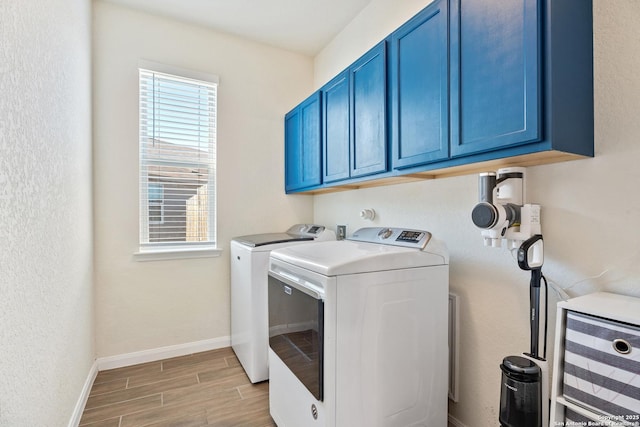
(302, 142)
(368, 94)
(495, 74)
(335, 104)
(419, 88)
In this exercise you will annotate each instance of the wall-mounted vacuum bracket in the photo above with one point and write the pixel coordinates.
(501, 212)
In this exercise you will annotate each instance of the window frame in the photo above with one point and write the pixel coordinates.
(148, 251)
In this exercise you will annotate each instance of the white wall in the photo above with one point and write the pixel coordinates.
(589, 207)
(376, 21)
(146, 305)
(46, 293)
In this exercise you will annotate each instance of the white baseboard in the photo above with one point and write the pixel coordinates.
(111, 362)
(454, 422)
(154, 354)
(84, 395)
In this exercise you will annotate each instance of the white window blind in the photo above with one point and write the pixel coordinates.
(177, 161)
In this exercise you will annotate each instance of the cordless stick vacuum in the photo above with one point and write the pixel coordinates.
(502, 215)
(524, 392)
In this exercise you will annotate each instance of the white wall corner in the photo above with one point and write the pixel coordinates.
(84, 395)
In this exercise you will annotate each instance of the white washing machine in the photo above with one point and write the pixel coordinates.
(358, 331)
(249, 268)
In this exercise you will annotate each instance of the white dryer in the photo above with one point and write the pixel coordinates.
(249, 268)
(358, 331)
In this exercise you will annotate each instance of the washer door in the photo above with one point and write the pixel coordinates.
(296, 331)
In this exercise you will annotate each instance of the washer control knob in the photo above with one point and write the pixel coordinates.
(385, 233)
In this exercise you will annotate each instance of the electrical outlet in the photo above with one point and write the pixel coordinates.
(341, 232)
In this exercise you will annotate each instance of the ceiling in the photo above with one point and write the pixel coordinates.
(303, 26)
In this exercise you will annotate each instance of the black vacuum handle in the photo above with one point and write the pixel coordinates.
(523, 253)
(534, 297)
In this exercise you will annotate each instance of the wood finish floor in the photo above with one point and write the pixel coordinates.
(202, 389)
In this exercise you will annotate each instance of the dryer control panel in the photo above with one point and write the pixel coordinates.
(407, 238)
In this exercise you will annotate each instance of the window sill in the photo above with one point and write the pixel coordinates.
(176, 253)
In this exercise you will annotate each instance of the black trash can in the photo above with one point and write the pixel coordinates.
(520, 393)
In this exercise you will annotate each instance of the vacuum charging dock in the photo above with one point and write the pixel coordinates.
(524, 392)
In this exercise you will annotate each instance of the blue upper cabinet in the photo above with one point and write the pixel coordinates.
(355, 119)
(464, 86)
(302, 145)
(419, 88)
(336, 140)
(496, 93)
(368, 95)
